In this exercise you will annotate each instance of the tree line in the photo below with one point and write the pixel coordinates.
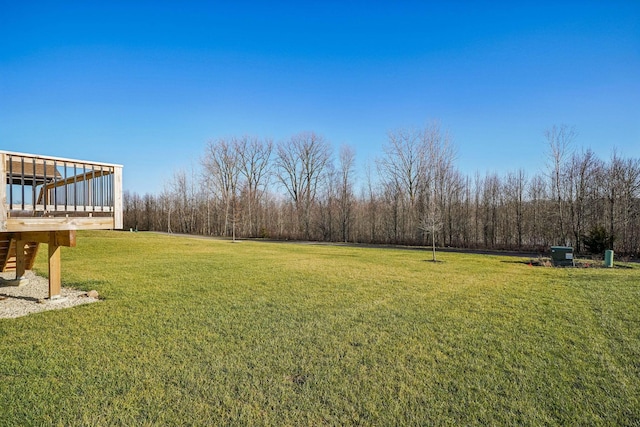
(414, 194)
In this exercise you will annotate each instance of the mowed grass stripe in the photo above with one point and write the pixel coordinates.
(198, 331)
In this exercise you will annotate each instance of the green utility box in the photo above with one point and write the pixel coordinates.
(608, 259)
(562, 256)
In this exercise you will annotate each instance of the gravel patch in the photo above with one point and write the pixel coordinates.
(32, 297)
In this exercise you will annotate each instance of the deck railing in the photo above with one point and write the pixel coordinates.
(42, 187)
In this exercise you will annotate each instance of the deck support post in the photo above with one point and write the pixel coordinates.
(55, 266)
(21, 259)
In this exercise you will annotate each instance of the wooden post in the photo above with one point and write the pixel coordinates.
(21, 259)
(117, 198)
(55, 264)
(3, 192)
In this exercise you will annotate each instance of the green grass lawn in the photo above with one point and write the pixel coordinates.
(194, 332)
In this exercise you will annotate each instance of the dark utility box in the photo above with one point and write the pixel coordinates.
(562, 256)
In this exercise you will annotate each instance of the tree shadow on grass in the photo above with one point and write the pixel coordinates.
(577, 264)
(526, 262)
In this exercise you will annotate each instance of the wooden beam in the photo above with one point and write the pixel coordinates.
(60, 238)
(55, 267)
(59, 224)
(65, 238)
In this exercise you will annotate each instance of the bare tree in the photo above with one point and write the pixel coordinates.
(222, 169)
(413, 160)
(440, 175)
(371, 205)
(404, 169)
(346, 165)
(581, 174)
(326, 204)
(181, 198)
(431, 223)
(478, 184)
(559, 140)
(630, 206)
(622, 187)
(490, 201)
(537, 194)
(255, 156)
(301, 163)
(515, 196)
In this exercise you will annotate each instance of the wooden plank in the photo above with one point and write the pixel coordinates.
(58, 224)
(55, 269)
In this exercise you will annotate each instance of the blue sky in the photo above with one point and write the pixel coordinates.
(147, 84)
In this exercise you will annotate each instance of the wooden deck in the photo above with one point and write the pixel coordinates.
(45, 200)
(53, 194)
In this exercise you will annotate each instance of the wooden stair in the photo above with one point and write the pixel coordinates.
(8, 253)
